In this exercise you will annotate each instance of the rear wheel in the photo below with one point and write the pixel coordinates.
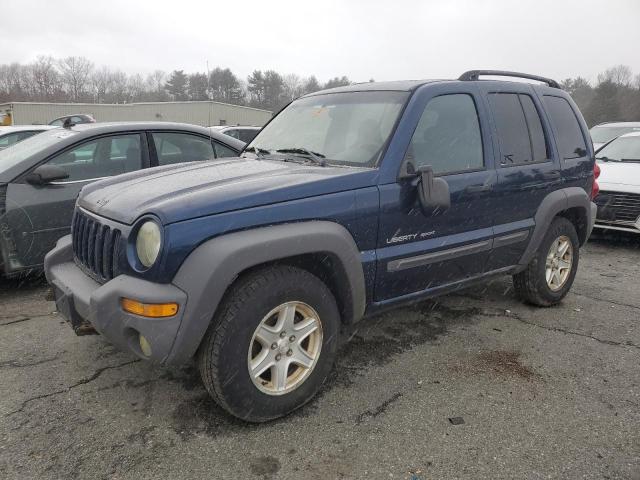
(549, 276)
(271, 344)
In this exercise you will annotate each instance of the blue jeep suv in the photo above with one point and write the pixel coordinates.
(350, 201)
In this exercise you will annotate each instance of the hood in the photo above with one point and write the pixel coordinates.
(181, 192)
(619, 176)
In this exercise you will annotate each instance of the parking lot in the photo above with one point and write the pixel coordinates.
(473, 385)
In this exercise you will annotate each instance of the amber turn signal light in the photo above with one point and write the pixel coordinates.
(152, 310)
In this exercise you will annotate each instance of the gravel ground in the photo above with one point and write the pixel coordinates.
(473, 385)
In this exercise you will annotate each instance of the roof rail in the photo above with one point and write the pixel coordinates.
(475, 74)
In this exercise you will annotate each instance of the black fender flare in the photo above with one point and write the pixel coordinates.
(212, 267)
(553, 204)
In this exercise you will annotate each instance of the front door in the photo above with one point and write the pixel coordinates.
(418, 252)
(37, 216)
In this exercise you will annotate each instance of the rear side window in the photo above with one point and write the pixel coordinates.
(448, 136)
(181, 147)
(570, 139)
(519, 128)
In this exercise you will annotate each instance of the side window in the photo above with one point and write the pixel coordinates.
(223, 151)
(9, 139)
(519, 129)
(181, 147)
(570, 139)
(536, 133)
(448, 135)
(248, 134)
(103, 157)
(235, 133)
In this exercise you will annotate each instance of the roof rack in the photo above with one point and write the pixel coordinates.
(475, 74)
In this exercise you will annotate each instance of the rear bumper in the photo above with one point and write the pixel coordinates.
(81, 299)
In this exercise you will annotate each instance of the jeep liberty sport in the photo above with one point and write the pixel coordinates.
(349, 201)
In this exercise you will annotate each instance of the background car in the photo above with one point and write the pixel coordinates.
(619, 198)
(605, 132)
(246, 133)
(14, 134)
(74, 119)
(41, 177)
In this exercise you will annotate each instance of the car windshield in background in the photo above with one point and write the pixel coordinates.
(11, 157)
(623, 149)
(604, 134)
(341, 128)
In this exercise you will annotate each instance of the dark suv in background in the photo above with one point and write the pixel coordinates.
(350, 201)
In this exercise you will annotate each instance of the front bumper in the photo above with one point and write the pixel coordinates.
(81, 299)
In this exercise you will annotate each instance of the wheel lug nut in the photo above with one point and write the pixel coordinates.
(278, 357)
(283, 334)
(289, 352)
(292, 338)
(274, 346)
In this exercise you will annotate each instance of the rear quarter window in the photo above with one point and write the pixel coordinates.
(571, 143)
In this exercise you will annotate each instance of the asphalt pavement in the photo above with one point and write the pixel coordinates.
(471, 385)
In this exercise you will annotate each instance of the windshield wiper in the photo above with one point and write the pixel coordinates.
(604, 159)
(316, 157)
(630, 159)
(258, 151)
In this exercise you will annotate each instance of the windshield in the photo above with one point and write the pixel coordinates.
(604, 134)
(341, 128)
(621, 149)
(11, 157)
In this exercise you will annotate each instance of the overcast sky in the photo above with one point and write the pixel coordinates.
(384, 40)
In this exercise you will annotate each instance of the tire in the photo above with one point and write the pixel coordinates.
(232, 341)
(532, 285)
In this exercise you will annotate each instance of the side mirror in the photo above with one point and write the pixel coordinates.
(433, 192)
(46, 174)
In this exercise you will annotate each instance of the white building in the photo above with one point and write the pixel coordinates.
(200, 113)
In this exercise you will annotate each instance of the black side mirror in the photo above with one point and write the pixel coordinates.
(46, 174)
(433, 192)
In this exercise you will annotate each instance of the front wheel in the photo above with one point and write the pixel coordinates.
(271, 344)
(549, 276)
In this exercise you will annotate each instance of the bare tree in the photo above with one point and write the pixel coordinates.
(75, 73)
(293, 86)
(44, 79)
(620, 75)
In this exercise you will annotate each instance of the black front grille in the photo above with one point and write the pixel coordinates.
(618, 206)
(95, 246)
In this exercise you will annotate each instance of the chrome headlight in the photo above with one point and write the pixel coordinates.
(148, 243)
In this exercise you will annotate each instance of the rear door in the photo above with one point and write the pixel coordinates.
(418, 252)
(38, 216)
(528, 168)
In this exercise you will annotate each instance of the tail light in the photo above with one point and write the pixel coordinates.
(595, 188)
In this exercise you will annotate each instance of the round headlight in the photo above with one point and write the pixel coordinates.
(148, 243)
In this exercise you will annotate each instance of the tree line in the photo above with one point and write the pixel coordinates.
(77, 79)
(615, 96)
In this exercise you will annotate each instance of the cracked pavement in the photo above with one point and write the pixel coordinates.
(542, 393)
